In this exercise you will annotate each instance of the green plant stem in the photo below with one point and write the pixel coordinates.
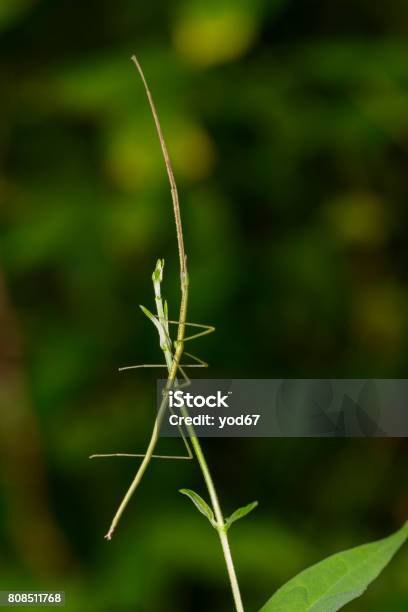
(220, 520)
(179, 347)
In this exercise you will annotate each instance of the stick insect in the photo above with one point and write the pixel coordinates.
(172, 350)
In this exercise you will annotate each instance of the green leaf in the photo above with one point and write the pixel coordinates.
(239, 514)
(337, 580)
(199, 503)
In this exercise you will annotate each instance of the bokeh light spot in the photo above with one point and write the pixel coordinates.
(212, 37)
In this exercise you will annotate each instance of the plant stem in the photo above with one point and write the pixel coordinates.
(179, 347)
(220, 521)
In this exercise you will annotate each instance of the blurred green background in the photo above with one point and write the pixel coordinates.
(287, 123)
